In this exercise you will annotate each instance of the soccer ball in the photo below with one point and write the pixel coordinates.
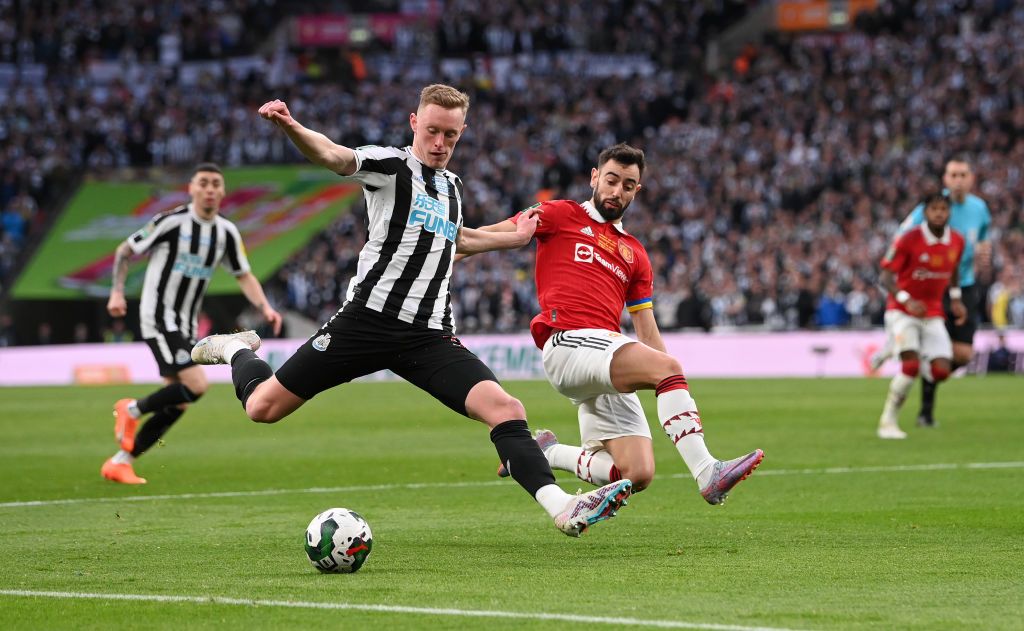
(338, 540)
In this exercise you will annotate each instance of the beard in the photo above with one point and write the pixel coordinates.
(609, 214)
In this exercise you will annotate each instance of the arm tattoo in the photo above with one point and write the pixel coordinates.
(120, 273)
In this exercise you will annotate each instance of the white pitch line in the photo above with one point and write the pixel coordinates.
(424, 611)
(481, 483)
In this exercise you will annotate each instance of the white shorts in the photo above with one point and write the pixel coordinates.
(578, 364)
(927, 336)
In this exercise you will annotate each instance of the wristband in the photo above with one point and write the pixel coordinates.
(955, 293)
(902, 296)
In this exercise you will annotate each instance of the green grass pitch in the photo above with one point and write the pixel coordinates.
(836, 530)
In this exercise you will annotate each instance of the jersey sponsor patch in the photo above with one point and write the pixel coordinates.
(584, 253)
(181, 356)
(431, 213)
(322, 342)
(606, 243)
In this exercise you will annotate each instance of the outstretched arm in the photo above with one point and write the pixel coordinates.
(498, 236)
(254, 293)
(117, 306)
(317, 148)
(504, 226)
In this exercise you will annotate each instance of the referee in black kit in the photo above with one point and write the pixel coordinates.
(398, 313)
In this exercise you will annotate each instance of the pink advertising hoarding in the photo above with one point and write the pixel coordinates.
(803, 354)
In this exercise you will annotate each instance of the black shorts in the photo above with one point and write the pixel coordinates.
(359, 341)
(963, 333)
(172, 351)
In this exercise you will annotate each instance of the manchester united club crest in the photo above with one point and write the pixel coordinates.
(626, 252)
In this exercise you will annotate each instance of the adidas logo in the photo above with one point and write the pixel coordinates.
(587, 231)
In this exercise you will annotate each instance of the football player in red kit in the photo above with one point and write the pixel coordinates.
(916, 273)
(588, 268)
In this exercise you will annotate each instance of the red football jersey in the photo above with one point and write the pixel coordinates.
(924, 265)
(587, 269)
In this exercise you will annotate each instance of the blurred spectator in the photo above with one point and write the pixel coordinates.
(118, 332)
(7, 336)
(832, 307)
(1000, 358)
(44, 334)
(80, 334)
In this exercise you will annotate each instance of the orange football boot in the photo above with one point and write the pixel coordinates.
(124, 425)
(120, 472)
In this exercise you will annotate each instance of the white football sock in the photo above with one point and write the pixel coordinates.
(133, 409)
(552, 498)
(123, 457)
(232, 347)
(898, 388)
(563, 457)
(595, 467)
(677, 412)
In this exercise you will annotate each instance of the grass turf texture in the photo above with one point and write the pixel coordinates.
(917, 549)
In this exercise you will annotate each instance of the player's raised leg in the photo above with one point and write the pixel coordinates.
(635, 366)
(264, 398)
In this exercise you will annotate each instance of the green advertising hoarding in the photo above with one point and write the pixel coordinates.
(277, 210)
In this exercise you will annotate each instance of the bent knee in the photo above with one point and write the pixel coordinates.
(640, 475)
(668, 366)
(512, 408)
(910, 367)
(940, 370)
(262, 411)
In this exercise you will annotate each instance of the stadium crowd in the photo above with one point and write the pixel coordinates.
(773, 189)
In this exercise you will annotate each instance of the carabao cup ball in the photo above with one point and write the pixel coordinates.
(338, 540)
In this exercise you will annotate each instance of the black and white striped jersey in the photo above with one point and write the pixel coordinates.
(183, 252)
(415, 213)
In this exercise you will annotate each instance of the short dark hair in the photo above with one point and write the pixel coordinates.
(956, 157)
(206, 167)
(623, 154)
(931, 198)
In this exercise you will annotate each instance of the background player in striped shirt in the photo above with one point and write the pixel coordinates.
(916, 272)
(588, 268)
(398, 312)
(185, 246)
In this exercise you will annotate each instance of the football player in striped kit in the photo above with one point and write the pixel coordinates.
(185, 245)
(398, 313)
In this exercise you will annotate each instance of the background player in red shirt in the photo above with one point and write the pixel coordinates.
(588, 268)
(916, 272)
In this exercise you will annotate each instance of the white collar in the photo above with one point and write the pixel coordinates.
(931, 239)
(596, 216)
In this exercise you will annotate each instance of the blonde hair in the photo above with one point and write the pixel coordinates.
(444, 95)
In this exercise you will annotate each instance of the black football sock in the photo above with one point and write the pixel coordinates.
(927, 397)
(247, 372)
(171, 394)
(154, 428)
(522, 456)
